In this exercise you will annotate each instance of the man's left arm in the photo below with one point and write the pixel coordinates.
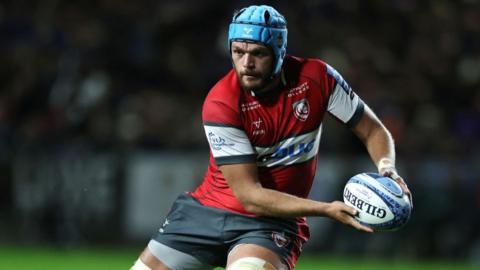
(380, 145)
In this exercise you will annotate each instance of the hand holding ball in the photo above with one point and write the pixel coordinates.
(379, 200)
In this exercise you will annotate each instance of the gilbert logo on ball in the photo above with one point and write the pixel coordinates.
(381, 203)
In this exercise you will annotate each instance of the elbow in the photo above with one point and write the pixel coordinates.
(253, 209)
(249, 203)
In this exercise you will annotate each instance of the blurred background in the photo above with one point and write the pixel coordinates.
(100, 124)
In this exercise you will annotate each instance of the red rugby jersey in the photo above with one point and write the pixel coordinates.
(280, 131)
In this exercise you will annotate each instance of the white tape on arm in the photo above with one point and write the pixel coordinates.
(385, 163)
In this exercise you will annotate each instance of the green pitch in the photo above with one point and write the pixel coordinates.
(116, 259)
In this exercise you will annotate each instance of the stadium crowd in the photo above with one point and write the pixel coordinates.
(123, 75)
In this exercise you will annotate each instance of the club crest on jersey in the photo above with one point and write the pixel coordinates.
(280, 239)
(301, 109)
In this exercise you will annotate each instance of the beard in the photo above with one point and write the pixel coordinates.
(254, 82)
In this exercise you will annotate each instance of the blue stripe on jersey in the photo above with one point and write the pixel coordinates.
(290, 151)
(339, 79)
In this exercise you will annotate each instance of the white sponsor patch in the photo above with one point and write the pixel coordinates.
(228, 141)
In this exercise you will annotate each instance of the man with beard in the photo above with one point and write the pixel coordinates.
(263, 121)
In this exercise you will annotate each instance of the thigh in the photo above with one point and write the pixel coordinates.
(192, 229)
(161, 257)
(151, 261)
(281, 237)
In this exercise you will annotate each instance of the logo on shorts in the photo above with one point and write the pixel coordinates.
(280, 239)
(164, 225)
(301, 109)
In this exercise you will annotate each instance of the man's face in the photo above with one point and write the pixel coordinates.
(253, 63)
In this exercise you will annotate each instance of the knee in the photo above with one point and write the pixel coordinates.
(251, 263)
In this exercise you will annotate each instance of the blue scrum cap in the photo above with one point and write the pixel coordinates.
(261, 24)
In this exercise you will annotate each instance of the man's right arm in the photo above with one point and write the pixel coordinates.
(242, 179)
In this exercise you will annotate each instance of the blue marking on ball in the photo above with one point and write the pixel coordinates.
(401, 211)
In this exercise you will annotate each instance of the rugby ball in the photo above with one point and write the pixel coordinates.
(380, 201)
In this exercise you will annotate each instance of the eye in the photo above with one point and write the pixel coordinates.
(259, 53)
(238, 52)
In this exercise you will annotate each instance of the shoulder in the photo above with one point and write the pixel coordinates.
(222, 102)
(305, 67)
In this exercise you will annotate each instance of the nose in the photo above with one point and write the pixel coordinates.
(248, 61)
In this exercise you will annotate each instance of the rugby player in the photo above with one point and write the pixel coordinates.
(263, 121)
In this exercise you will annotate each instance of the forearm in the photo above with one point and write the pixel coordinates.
(242, 179)
(376, 138)
(380, 146)
(268, 202)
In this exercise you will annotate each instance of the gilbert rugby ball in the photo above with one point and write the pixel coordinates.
(381, 203)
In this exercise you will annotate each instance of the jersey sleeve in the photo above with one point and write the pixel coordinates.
(228, 141)
(343, 103)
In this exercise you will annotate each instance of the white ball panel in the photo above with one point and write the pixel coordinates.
(372, 209)
(379, 200)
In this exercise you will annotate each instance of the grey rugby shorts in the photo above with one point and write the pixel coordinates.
(208, 234)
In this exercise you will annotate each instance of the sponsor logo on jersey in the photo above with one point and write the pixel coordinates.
(290, 151)
(302, 88)
(280, 239)
(257, 127)
(257, 123)
(250, 106)
(301, 109)
(217, 142)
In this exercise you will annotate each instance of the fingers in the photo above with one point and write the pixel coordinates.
(394, 175)
(357, 225)
(405, 189)
(350, 220)
(351, 211)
